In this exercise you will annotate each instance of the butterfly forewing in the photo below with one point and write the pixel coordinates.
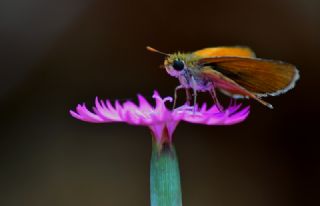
(224, 51)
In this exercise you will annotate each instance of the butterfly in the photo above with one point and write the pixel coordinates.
(234, 71)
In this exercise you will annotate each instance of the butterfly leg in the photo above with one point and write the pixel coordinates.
(215, 99)
(188, 97)
(194, 100)
(176, 95)
(194, 88)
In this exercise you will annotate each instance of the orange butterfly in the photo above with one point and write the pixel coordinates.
(235, 71)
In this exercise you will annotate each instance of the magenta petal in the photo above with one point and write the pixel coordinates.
(75, 115)
(110, 107)
(203, 107)
(86, 115)
(143, 104)
(239, 117)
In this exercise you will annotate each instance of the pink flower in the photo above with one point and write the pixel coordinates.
(158, 118)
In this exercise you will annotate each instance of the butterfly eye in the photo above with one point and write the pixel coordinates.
(178, 65)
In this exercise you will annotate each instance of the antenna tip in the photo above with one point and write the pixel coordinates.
(151, 49)
(156, 51)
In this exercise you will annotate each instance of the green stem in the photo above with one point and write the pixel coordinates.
(165, 188)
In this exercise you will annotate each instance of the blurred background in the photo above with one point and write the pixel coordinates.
(58, 53)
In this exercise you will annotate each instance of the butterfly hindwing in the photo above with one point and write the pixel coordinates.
(258, 76)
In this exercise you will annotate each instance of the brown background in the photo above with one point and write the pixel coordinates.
(55, 54)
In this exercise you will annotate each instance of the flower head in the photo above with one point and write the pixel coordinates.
(158, 118)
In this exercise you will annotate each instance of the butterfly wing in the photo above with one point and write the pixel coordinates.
(258, 76)
(224, 51)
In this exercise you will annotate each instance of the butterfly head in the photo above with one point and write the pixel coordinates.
(176, 63)
(175, 66)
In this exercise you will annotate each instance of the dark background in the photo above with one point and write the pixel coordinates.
(57, 53)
